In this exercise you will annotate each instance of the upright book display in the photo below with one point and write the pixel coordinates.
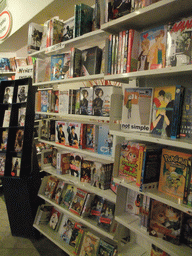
(20, 167)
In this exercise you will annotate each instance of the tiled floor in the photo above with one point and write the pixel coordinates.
(17, 246)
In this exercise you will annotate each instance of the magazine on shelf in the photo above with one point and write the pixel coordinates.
(16, 166)
(21, 116)
(137, 109)
(22, 93)
(8, 95)
(2, 163)
(19, 137)
(6, 119)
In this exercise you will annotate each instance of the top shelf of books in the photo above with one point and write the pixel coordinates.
(160, 12)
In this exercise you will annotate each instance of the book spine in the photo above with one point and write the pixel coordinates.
(125, 52)
(119, 52)
(76, 8)
(143, 169)
(116, 53)
(139, 170)
(130, 43)
(176, 116)
(58, 160)
(187, 182)
(109, 56)
(113, 54)
(122, 51)
(71, 68)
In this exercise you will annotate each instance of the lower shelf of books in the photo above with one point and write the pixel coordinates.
(55, 238)
(133, 223)
(108, 193)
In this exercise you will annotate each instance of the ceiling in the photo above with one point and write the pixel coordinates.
(64, 9)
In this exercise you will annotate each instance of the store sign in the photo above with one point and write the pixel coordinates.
(24, 72)
(5, 24)
(2, 5)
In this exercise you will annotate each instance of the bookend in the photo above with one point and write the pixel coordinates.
(20, 188)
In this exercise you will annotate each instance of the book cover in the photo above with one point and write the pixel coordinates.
(6, 119)
(22, 93)
(63, 162)
(12, 64)
(66, 228)
(68, 195)
(44, 101)
(121, 8)
(77, 102)
(133, 50)
(133, 202)
(57, 64)
(166, 113)
(21, 116)
(61, 132)
(64, 102)
(87, 205)
(77, 204)
(156, 251)
(86, 100)
(2, 163)
(8, 95)
(72, 101)
(186, 115)
(174, 165)
(55, 219)
(179, 43)
(4, 64)
(109, 61)
(43, 214)
(77, 236)
(38, 101)
(106, 218)
(19, 137)
(42, 70)
(131, 159)
(56, 101)
(85, 174)
(137, 109)
(57, 32)
(68, 29)
(186, 232)
(35, 32)
(44, 129)
(91, 61)
(85, 19)
(105, 141)
(51, 187)
(105, 249)
(187, 197)
(58, 191)
(73, 135)
(16, 166)
(75, 62)
(4, 139)
(91, 135)
(165, 222)
(90, 245)
(152, 49)
(96, 207)
(75, 164)
(21, 61)
(54, 157)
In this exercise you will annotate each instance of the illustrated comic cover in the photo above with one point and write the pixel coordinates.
(68, 195)
(105, 249)
(4, 64)
(51, 187)
(186, 233)
(96, 207)
(121, 8)
(137, 109)
(22, 93)
(44, 101)
(2, 163)
(68, 29)
(87, 205)
(6, 119)
(66, 228)
(42, 70)
(75, 164)
(165, 222)
(179, 43)
(8, 95)
(57, 64)
(44, 129)
(63, 162)
(131, 158)
(73, 135)
(152, 48)
(78, 201)
(19, 137)
(174, 165)
(58, 191)
(133, 202)
(77, 236)
(85, 174)
(156, 251)
(86, 100)
(75, 62)
(35, 32)
(55, 219)
(57, 32)
(61, 134)
(91, 136)
(105, 141)
(186, 118)
(90, 245)
(21, 116)
(16, 166)
(56, 101)
(64, 102)
(4, 140)
(166, 113)
(106, 218)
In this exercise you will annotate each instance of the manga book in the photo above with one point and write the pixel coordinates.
(174, 165)
(87, 205)
(137, 109)
(121, 8)
(152, 48)
(68, 29)
(35, 33)
(77, 235)
(64, 102)
(96, 207)
(186, 232)
(86, 100)
(63, 162)
(16, 166)
(6, 119)
(165, 222)
(4, 138)
(8, 95)
(22, 93)
(179, 43)
(2, 163)
(105, 141)
(61, 132)
(78, 201)
(73, 134)
(55, 219)
(66, 228)
(57, 64)
(44, 101)
(105, 249)
(131, 159)
(68, 195)
(44, 129)
(54, 157)
(4, 64)
(133, 202)
(21, 116)
(91, 136)
(42, 70)
(58, 191)
(19, 137)
(85, 174)
(166, 113)
(75, 164)
(90, 245)
(51, 187)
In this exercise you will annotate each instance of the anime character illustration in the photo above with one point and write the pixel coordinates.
(143, 63)
(129, 106)
(22, 94)
(19, 140)
(90, 245)
(4, 140)
(57, 69)
(67, 230)
(72, 137)
(75, 165)
(68, 196)
(84, 102)
(60, 134)
(7, 96)
(98, 102)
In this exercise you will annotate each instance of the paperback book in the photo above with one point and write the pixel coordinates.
(2, 163)
(77, 204)
(77, 236)
(90, 245)
(105, 141)
(57, 64)
(19, 137)
(55, 219)
(35, 32)
(68, 195)
(96, 207)
(86, 167)
(63, 162)
(64, 102)
(44, 101)
(58, 191)
(86, 100)
(22, 93)
(137, 109)
(51, 186)
(75, 164)
(6, 119)
(8, 95)
(105, 249)
(16, 166)
(4, 139)
(66, 228)
(73, 135)
(21, 116)
(61, 132)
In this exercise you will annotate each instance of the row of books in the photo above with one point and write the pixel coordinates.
(12, 63)
(118, 8)
(55, 30)
(159, 219)
(86, 170)
(169, 171)
(95, 138)
(15, 167)
(81, 202)
(159, 47)
(73, 233)
(75, 63)
(21, 96)
(163, 111)
(94, 100)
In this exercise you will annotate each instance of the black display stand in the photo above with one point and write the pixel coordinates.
(21, 190)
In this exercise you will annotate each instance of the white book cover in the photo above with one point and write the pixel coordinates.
(22, 93)
(64, 102)
(8, 95)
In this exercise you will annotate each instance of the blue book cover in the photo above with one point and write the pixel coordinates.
(105, 141)
(44, 101)
(57, 64)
